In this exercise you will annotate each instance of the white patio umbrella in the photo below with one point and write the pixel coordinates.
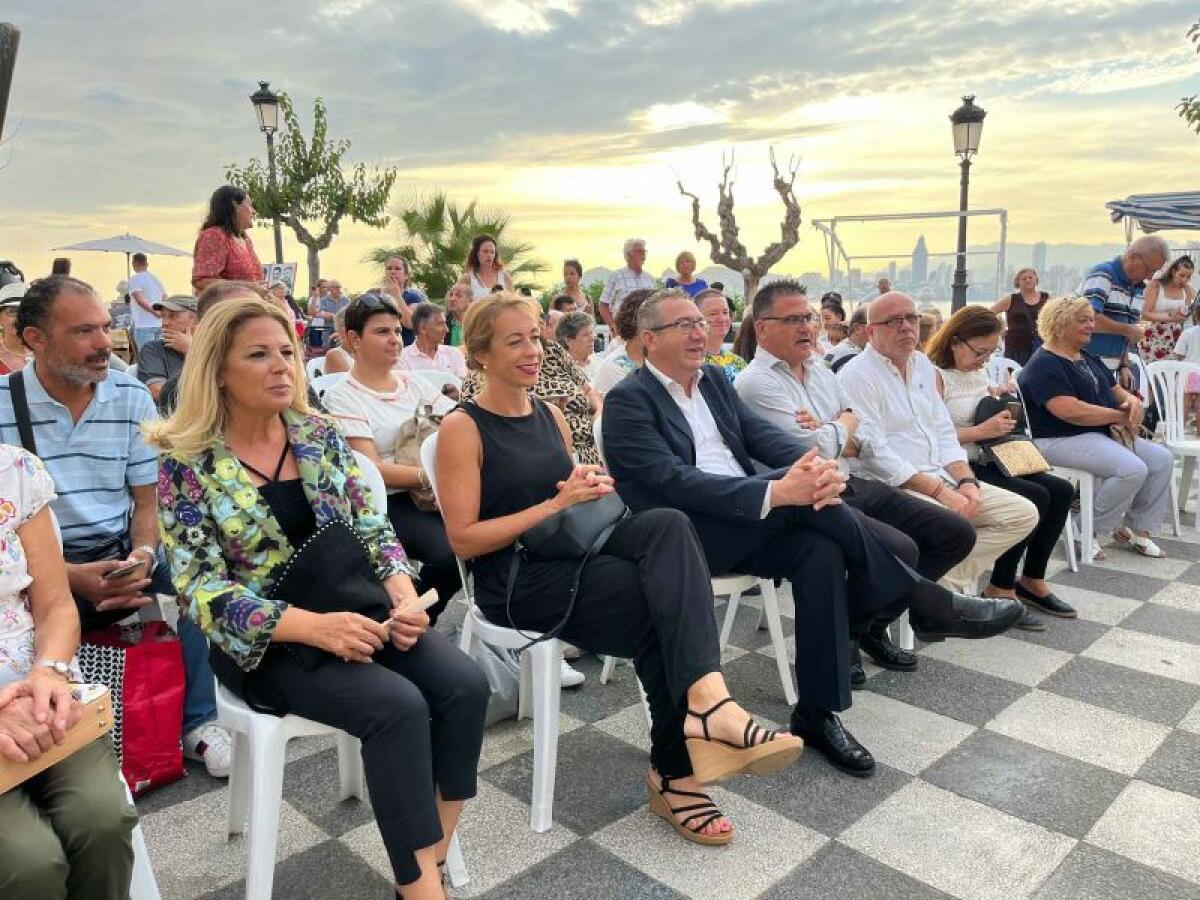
(128, 244)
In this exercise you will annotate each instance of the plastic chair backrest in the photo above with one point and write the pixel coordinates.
(325, 382)
(1170, 378)
(1000, 366)
(374, 479)
(315, 368)
(598, 437)
(429, 461)
(437, 379)
(132, 371)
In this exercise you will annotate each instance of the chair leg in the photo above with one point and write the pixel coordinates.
(266, 797)
(1087, 521)
(456, 865)
(466, 640)
(239, 785)
(1185, 484)
(1068, 537)
(902, 633)
(350, 767)
(610, 666)
(645, 704)
(143, 885)
(546, 687)
(770, 602)
(525, 686)
(1174, 507)
(731, 609)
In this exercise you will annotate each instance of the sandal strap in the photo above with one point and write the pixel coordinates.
(699, 829)
(703, 716)
(666, 789)
(755, 734)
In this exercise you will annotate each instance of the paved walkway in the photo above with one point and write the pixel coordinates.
(1053, 765)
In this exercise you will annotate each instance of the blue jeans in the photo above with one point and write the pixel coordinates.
(143, 336)
(200, 694)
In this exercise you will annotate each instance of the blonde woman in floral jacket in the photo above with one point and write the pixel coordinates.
(248, 474)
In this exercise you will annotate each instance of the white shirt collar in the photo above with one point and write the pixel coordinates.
(669, 382)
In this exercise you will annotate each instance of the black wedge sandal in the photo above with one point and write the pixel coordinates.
(763, 751)
(703, 813)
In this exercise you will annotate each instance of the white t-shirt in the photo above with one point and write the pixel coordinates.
(363, 413)
(1188, 345)
(152, 291)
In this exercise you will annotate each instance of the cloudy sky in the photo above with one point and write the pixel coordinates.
(577, 115)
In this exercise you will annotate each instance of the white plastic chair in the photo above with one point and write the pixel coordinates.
(374, 479)
(1000, 367)
(325, 382)
(1170, 378)
(540, 676)
(132, 371)
(315, 368)
(731, 586)
(437, 380)
(143, 885)
(256, 784)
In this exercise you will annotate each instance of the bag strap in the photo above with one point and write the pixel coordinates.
(16, 385)
(514, 567)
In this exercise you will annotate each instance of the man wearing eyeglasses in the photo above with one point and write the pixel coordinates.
(788, 385)
(677, 435)
(914, 445)
(1114, 288)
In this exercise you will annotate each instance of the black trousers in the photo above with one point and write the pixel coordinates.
(646, 595)
(843, 574)
(927, 536)
(419, 714)
(422, 533)
(1052, 496)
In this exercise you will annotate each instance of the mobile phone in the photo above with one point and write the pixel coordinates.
(121, 572)
(1014, 409)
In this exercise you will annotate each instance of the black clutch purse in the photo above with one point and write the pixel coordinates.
(330, 572)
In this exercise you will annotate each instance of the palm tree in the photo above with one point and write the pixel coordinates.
(436, 234)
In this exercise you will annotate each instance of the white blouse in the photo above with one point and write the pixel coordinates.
(962, 392)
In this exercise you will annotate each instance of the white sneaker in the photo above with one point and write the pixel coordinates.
(570, 677)
(211, 745)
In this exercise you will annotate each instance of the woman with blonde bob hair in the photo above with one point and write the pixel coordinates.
(685, 265)
(644, 594)
(248, 477)
(1082, 419)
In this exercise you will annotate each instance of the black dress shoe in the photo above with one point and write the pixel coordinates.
(1030, 622)
(969, 617)
(1050, 604)
(858, 676)
(886, 654)
(830, 738)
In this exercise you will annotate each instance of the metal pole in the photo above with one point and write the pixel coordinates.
(959, 297)
(10, 39)
(275, 192)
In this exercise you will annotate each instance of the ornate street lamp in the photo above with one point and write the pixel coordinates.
(266, 107)
(967, 125)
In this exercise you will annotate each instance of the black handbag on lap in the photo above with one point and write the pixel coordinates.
(330, 572)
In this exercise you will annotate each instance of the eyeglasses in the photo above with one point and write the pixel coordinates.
(979, 354)
(789, 321)
(685, 326)
(910, 319)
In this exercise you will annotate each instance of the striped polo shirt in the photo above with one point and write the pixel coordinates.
(1110, 292)
(95, 461)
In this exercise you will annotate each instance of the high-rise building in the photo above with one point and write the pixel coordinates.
(920, 262)
(1039, 256)
(892, 271)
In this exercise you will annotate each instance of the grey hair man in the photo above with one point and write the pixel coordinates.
(1114, 288)
(854, 342)
(630, 277)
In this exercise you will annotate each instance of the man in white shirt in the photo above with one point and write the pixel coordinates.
(852, 345)
(626, 279)
(915, 446)
(428, 352)
(676, 435)
(788, 386)
(145, 290)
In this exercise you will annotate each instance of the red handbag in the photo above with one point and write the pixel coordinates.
(142, 665)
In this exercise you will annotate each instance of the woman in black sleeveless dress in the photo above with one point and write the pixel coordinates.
(505, 464)
(1021, 310)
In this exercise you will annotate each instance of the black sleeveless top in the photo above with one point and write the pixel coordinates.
(287, 501)
(524, 458)
(1021, 326)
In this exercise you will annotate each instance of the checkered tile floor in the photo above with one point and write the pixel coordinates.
(1053, 765)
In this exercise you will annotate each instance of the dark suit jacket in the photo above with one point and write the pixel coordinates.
(650, 451)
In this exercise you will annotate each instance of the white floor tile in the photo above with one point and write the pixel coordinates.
(1153, 826)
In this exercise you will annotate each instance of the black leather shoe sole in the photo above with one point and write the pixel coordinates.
(932, 632)
(1050, 604)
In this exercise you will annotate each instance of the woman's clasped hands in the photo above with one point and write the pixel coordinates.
(585, 483)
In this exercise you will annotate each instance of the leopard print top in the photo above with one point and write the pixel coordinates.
(559, 377)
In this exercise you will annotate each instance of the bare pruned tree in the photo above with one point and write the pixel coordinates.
(727, 248)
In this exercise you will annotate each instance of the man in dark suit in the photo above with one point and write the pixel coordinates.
(677, 435)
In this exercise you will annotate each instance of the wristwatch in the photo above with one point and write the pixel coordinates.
(967, 480)
(59, 667)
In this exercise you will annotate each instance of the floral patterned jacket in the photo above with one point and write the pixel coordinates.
(224, 544)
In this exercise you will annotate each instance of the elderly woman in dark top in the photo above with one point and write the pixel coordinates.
(1075, 406)
(248, 475)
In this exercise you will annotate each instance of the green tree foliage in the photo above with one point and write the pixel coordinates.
(314, 193)
(436, 234)
(1189, 107)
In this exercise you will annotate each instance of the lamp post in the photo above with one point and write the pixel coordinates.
(266, 107)
(967, 125)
